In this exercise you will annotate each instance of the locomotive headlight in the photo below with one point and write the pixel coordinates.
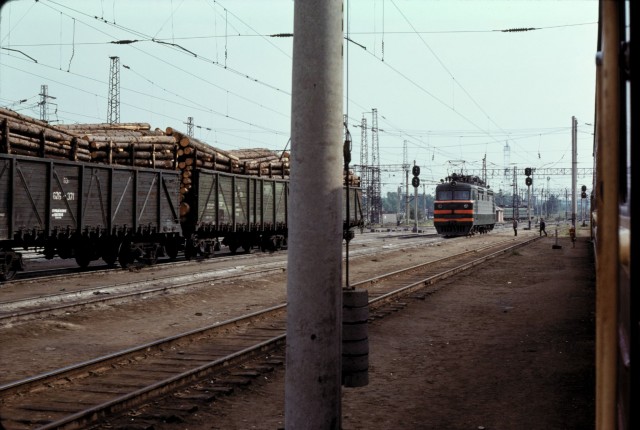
(440, 206)
(465, 206)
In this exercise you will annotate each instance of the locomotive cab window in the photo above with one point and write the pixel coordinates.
(444, 195)
(462, 195)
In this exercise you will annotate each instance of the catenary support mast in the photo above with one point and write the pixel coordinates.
(314, 293)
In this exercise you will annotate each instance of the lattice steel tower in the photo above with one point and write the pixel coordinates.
(189, 126)
(113, 110)
(376, 199)
(507, 161)
(365, 182)
(43, 102)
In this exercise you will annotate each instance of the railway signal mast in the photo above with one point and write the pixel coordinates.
(415, 181)
(528, 171)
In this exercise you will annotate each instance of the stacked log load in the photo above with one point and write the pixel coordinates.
(128, 144)
(23, 135)
(136, 144)
(192, 153)
(351, 179)
(263, 162)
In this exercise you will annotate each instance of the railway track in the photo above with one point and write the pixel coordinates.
(51, 270)
(81, 394)
(27, 305)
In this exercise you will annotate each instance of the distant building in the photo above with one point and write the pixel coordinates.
(388, 219)
(508, 214)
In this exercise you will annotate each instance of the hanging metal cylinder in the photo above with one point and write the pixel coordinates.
(355, 338)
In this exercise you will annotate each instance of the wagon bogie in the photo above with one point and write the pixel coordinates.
(10, 264)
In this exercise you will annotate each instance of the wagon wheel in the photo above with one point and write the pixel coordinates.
(7, 275)
(83, 253)
(125, 256)
(110, 259)
(204, 248)
(110, 253)
(150, 257)
(82, 258)
(171, 249)
(8, 268)
(190, 249)
(247, 247)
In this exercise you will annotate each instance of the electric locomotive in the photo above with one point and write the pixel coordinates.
(464, 205)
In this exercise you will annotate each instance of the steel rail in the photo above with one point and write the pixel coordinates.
(62, 377)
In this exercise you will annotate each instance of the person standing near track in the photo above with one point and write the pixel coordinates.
(542, 227)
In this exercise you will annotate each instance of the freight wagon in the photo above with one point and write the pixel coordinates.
(86, 211)
(89, 211)
(234, 210)
(243, 212)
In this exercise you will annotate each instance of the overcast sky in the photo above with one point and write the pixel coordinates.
(447, 81)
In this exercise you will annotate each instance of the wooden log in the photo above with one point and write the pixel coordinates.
(59, 145)
(185, 140)
(18, 150)
(103, 155)
(111, 133)
(159, 164)
(125, 139)
(121, 146)
(34, 130)
(134, 126)
(5, 148)
(36, 148)
(254, 153)
(27, 120)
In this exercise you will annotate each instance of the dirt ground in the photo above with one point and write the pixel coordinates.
(509, 346)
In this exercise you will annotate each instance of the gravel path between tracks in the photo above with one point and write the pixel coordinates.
(508, 346)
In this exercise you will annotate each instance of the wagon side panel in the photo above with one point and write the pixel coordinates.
(123, 199)
(206, 209)
(65, 194)
(30, 197)
(96, 203)
(6, 232)
(169, 202)
(147, 207)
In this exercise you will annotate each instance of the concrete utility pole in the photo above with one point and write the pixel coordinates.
(314, 291)
(547, 204)
(405, 166)
(574, 168)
